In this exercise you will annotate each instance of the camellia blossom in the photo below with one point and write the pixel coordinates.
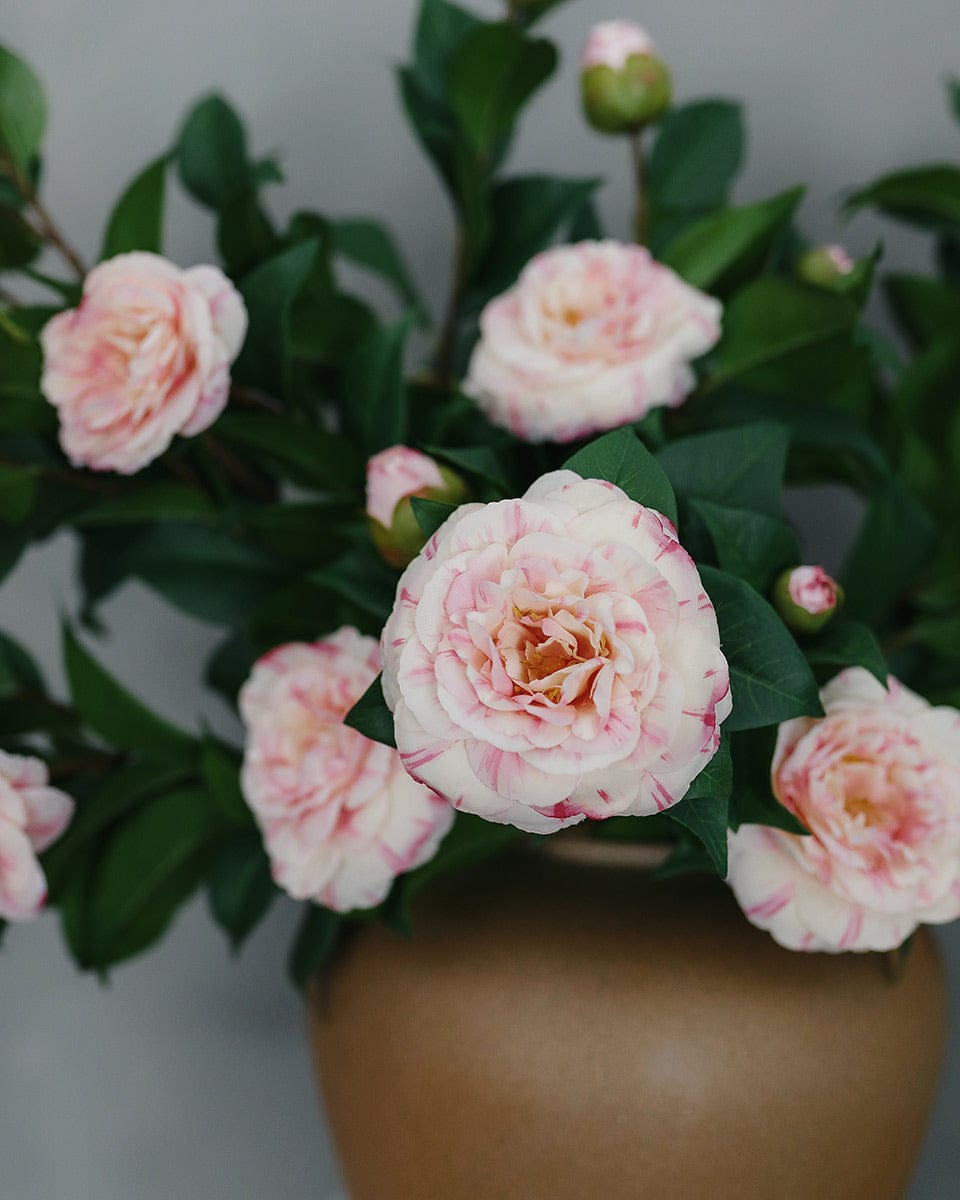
(339, 815)
(813, 590)
(877, 783)
(555, 658)
(593, 336)
(144, 356)
(393, 475)
(32, 817)
(610, 44)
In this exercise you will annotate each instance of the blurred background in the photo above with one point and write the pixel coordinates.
(187, 1074)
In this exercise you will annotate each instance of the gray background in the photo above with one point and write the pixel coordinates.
(187, 1077)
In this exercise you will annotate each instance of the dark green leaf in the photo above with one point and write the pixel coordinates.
(689, 857)
(927, 308)
(23, 111)
(110, 710)
(371, 717)
(696, 156)
(363, 580)
(315, 943)
(245, 234)
(306, 454)
(375, 388)
(212, 153)
(269, 292)
(430, 514)
(751, 545)
(240, 887)
(770, 679)
(738, 468)
(19, 242)
(494, 73)
(706, 818)
(621, 458)
(151, 502)
(752, 801)
(486, 462)
(369, 244)
(18, 492)
(896, 543)
(928, 197)
(845, 643)
(136, 222)
(442, 28)
(18, 671)
(220, 768)
(735, 240)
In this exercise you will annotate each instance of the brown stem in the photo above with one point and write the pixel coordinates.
(248, 480)
(66, 767)
(447, 342)
(46, 226)
(641, 219)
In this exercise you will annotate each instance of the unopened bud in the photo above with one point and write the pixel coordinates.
(806, 598)
(624, 84)
(824, 265)
(393, 477)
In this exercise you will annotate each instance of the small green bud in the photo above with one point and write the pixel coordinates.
(624, 85)
(807, 598)
(393, 477)
(824, 266)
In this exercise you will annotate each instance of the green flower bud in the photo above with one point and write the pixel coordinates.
(623, 84)
(824, 266)
(394, 476)
(807, 598)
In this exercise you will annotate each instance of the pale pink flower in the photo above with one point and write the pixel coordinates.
(555, 658)
(610, 44)
(877, 783)
(144, 356)
(32, 817)
(393, 475)
(339, 815)
(592, 336)
(813, 590)
(840, 259)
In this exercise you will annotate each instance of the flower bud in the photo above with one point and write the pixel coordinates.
(806, 598)
(623, 84)
(824, 265)
(393, 477)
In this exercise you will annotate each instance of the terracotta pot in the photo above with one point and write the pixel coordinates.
(556, 1031)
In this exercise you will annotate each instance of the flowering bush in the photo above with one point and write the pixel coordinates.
(623, 632)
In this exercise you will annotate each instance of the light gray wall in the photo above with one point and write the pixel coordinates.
(187, 1077)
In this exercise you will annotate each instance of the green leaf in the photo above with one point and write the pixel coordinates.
(485, 462)
(136, 222)
(111, 711)
(784, 337)
(18, 671)
(621, 458)
(928, 197)
(149, 868)
(316, 941)
(375, 390)
(371, 717)
(212, 153)
(363, 579)
(696, 156)
(845, 643)
(368, 244)
(430, 514)
(269, 292)
(733, 240)
(494, 73)
(150, 502)
(750, 545)
(689, 857)
(240, 886)
(246, 236)
(895, 544)
(770, 679)
(18, 492)
(737, 468)
(306, 454)
(19, 242)
(442, 28)
(220, 768)
(927, 309)
(23, 111)
(704, 809)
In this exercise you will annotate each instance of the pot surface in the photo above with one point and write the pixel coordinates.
(556, 1031)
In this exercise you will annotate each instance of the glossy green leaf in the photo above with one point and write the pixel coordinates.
(431, 514)
(19, 242)
(442, 28)
(751, 545)
(494, 73)
(493, 464)
(706, 817)
(116, 715)
(368, 244)
(23, 111)
(621, 458)
(926, 308)
(362, 579)
(168, 500)
(18, 492)
(316, 941)
(246, 236)
(928, 197)
(136, 222)
(730, 241)
(211, 153)
(269, 292)
(846, 643)
(696, 156)
(371, 716)
(770, 679)
(220, 768)
(306, 454)
(374, 382)
(738, 468)
(240, 886)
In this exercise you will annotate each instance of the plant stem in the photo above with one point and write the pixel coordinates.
(447, 342)
(46, 226)
(71, 766)
(252, 398)
(641, 219)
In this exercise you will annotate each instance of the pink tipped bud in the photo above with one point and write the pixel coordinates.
(624, 84)
(807, 597)
(393, 477)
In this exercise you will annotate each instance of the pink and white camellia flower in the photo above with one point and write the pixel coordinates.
(339, 815)
(877, 783)
(555, 658)
(610, 44)
(32, 817)
(813, 590)
(593, 336)
(144, 356)
(393, 475)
